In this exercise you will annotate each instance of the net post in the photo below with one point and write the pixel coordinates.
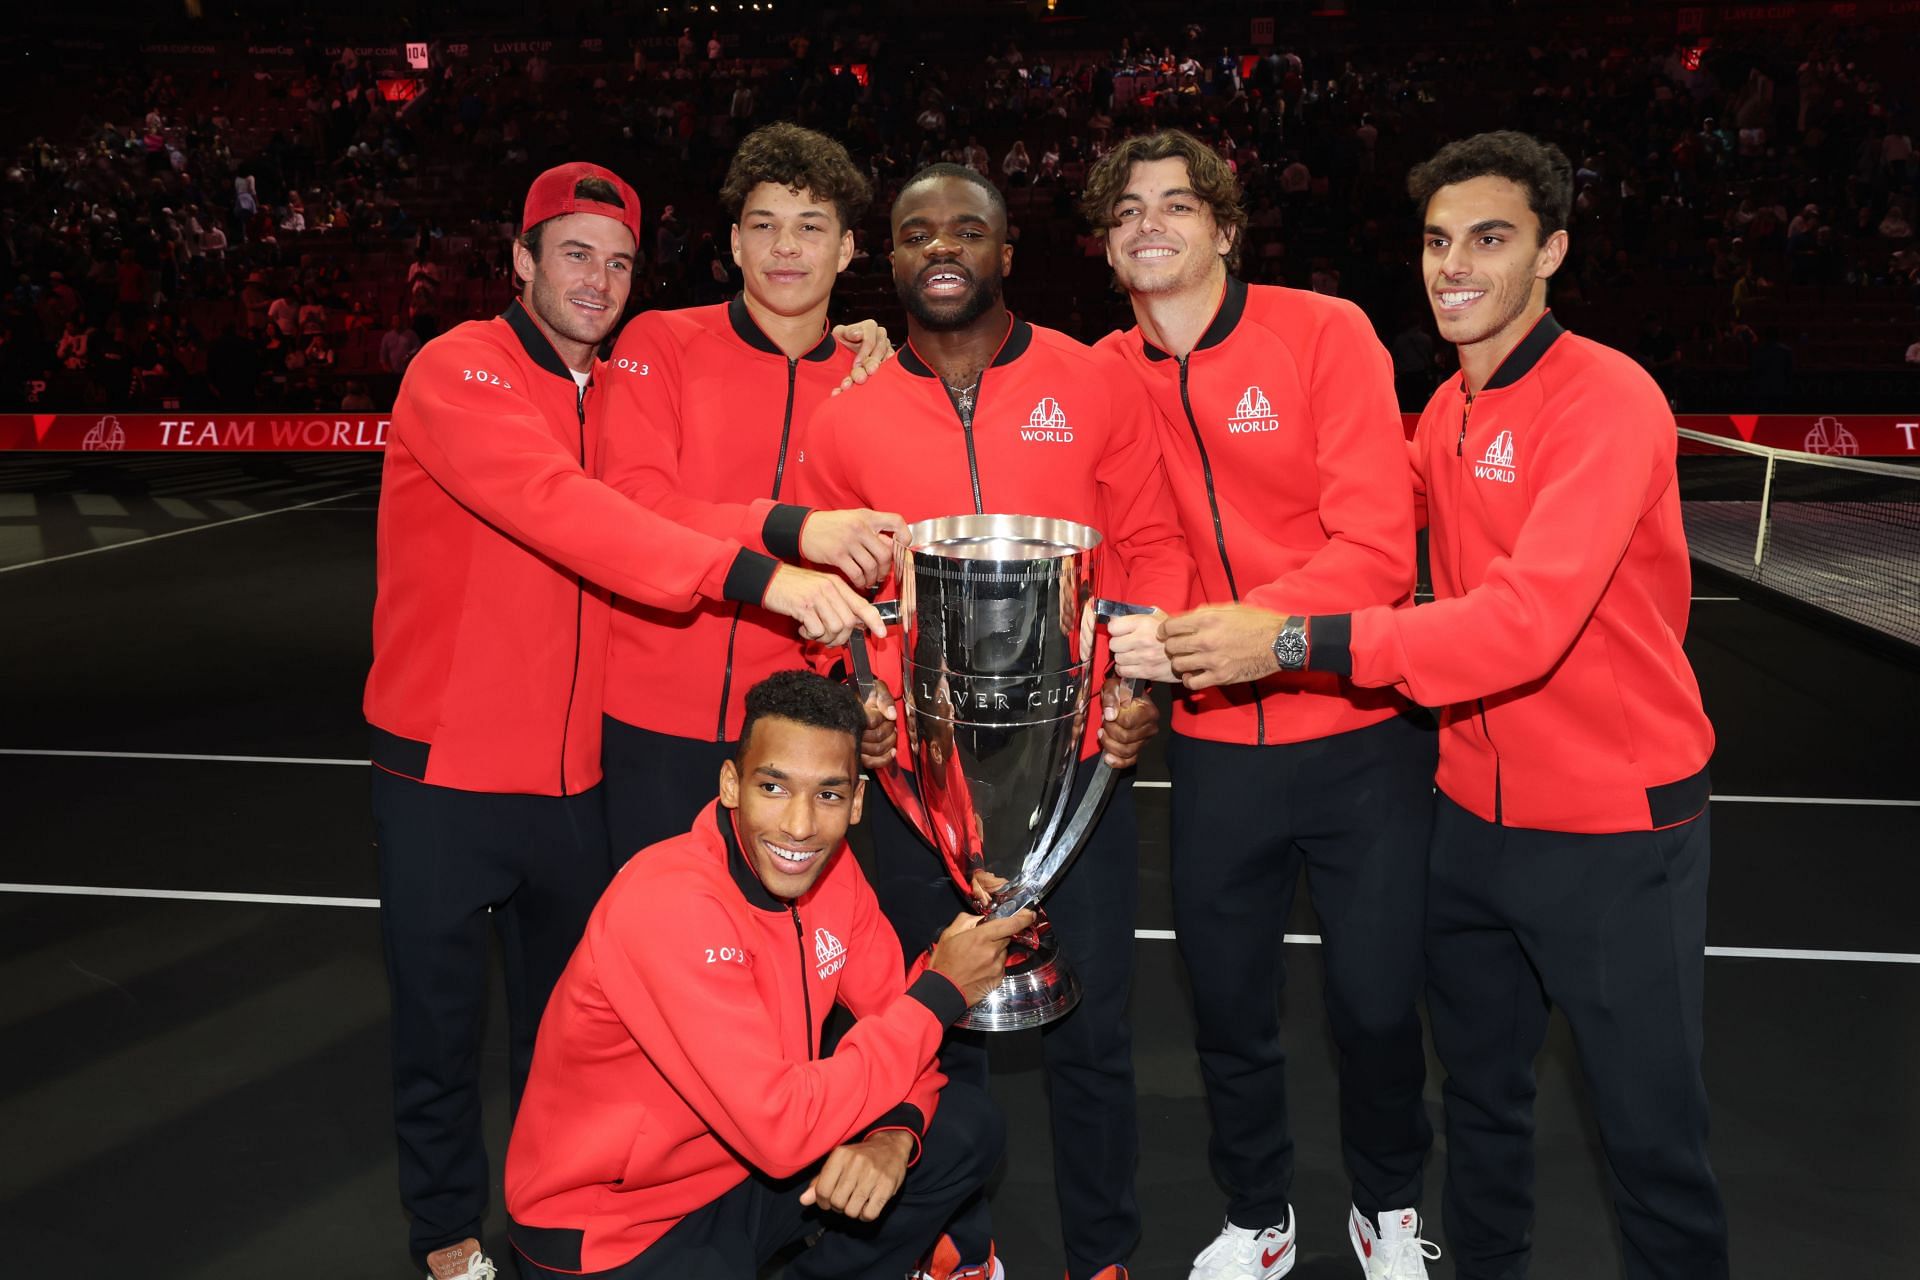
(1766, 513)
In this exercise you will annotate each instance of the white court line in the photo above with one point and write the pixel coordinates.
(186, 895)
(1158, 784)
(1718, 799)
(1785, 953)
(179, 755)
(178, 533)
(1145, 935)
(1841, 800)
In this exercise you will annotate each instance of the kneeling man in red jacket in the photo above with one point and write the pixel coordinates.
(680, 1119)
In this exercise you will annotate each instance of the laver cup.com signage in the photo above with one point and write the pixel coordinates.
(1861, 435)
(167, 432)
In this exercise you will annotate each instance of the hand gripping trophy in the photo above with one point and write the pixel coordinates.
(997, 616)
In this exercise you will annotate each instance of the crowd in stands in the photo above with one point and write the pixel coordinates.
(249, 240)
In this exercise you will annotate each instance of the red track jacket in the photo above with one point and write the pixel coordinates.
(697, 421)
(1286, 457)
(1560, 567)
(496, 550)
(681, 1045)
(1055, 433)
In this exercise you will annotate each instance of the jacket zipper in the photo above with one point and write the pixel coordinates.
(579, 600)
(806, 988)
(1486, 730)
(733, 628)
(966, 425)
(1219, 533)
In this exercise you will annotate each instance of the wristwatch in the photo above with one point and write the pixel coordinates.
(1290, 646)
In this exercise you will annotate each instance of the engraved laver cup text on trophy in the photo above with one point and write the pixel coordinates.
(996, 670)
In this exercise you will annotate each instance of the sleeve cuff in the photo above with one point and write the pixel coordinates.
(748, 579)
(1330, 643)
(781, 532)
(936, 991)
(905, 1118)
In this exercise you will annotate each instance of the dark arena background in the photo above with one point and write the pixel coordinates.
(226, 227)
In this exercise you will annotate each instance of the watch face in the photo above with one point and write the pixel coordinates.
(1290, 647)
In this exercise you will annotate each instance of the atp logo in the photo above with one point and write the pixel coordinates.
(1254, 413)
(1829, 436)
(1497, 463)
(1047, 424)
(104, 436)
(829, 953)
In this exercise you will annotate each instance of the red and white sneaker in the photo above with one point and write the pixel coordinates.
(1393, 1251)
(943, 1263)
(1243, 1253)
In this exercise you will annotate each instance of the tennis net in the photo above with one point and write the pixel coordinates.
(1839, 533)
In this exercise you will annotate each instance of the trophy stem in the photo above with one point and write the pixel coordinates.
(1038, 987)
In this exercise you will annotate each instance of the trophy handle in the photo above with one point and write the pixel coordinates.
(1061, 843)
(893, 780)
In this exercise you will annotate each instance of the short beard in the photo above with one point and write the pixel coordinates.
(551, 306)
(986, 293)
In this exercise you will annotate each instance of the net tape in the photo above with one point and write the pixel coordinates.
(1839, 533)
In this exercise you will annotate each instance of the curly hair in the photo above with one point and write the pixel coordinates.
(1540, 168)
(800, 160)
(1209, 175)
(805, 698)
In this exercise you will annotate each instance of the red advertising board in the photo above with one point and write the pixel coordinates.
(187, 432)
(1864, 435)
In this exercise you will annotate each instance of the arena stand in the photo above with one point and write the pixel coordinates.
(199, 240)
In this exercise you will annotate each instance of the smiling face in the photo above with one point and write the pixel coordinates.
(577, 287)
(790, 246)
(1164, 239)
(1484, 263)
(794, 790)
(950, 252)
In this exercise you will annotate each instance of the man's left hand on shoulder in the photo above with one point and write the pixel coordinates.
(859, 1179)
(1126, 724)
(871, 347)
(1222, 644)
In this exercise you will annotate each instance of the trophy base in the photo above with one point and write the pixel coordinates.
(1039, 988)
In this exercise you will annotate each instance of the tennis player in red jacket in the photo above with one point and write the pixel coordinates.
(1571, 844)
(1286, 457)
(983, 412)
(681, 1121)
(701, 422)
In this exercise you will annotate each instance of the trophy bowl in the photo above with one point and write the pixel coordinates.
(997, 680)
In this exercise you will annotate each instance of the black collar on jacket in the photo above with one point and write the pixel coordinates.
(1012, 347)
(535, 341)
(749, 884)
(1520, 361)
(750, 333)
(1233, 304)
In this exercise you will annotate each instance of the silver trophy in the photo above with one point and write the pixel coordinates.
(997, 670)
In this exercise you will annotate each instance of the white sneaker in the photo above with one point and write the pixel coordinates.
(1395, 1251)
(463, 1261)
(1242, 1253)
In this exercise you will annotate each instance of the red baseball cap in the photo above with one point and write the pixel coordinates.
(551, 195)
